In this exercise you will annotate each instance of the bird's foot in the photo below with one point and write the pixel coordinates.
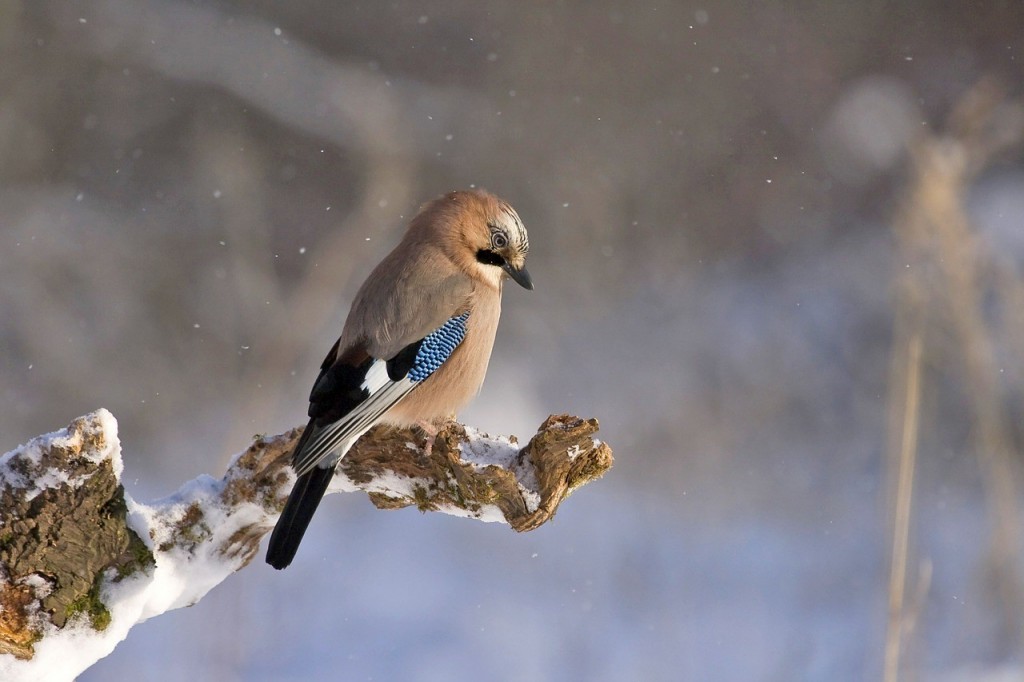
(431, 429)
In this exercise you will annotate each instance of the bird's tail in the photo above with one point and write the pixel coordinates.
(298, 512)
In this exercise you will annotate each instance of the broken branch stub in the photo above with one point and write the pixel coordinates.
(62, 524)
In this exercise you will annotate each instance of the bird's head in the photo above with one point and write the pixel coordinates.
(485, 235)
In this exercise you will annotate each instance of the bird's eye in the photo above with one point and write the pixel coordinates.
(499, 241)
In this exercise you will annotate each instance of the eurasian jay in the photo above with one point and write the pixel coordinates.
(415, 345)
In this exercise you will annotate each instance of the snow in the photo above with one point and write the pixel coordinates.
(182, 576)
(482, 450)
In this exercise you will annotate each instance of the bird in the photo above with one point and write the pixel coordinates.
(415, 346)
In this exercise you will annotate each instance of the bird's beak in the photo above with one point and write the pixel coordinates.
(520, 275)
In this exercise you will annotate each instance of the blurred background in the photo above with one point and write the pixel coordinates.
(777, 250)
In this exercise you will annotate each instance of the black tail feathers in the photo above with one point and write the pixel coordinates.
(298, 512)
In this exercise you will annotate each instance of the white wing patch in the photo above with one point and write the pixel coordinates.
(376, 377)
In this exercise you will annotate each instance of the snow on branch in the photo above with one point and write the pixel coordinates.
(81, 562)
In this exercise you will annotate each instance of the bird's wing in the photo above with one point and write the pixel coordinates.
(404, 299)
(354, 391)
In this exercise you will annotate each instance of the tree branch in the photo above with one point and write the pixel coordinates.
(78, 555)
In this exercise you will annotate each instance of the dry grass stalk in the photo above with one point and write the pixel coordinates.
(905, 459)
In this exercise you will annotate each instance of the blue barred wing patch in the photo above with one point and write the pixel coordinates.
(438, 346)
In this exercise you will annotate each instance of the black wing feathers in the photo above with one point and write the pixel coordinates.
(400, 365)
(339, 387)
(338, 390)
